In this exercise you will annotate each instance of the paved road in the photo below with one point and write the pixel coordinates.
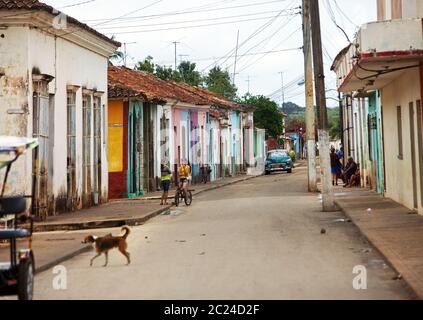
(260, 239)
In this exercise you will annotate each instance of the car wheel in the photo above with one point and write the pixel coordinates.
(267, 173)
(289, 171)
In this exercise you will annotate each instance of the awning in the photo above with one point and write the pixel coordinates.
(375, 71)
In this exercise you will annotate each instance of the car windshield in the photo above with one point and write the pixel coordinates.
(277, 155)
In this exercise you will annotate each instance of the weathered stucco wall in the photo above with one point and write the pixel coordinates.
(14, 99)
(399, 177)
(24, 51)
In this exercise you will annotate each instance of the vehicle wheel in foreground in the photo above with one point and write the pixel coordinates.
(267, 173)
(289, 171)
(26, 279)
(188, 198)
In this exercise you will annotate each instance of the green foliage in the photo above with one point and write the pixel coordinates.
(188, 73)
(146, 65)
(116, 56)
(219, 81)
(297, 114)
(267, 115)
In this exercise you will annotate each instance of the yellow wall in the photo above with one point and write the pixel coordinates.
(399, 179)
(115, 141)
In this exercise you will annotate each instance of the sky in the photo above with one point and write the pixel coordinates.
(206, 32)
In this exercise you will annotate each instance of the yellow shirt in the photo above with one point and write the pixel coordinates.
(184, 171)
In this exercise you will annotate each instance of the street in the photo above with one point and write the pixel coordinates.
(259, 239)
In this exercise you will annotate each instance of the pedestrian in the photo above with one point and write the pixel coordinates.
(293, 155)
(350, 170)
(335, 165)
(166, 177)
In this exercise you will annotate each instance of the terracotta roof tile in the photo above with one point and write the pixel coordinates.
(141, 83)
(150, 86)
(36, 5)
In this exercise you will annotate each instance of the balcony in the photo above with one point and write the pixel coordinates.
(379, 54)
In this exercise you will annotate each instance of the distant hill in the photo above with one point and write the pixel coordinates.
(293, 109)
(297, 114)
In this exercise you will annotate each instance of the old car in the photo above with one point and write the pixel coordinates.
(277, 161)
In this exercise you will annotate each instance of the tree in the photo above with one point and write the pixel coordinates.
(188, 73)
(267, 116)
(146, 65)
(116, 56)
(167, 73)
(219, 81)
(296, 125)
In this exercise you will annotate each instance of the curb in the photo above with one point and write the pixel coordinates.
(99, 224)
(378, 250)
(194, 193)
(57, 261)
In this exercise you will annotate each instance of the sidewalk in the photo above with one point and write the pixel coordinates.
(393, 230)
(119, 212)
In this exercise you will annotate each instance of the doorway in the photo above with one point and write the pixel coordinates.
(135, 154)
(41, 131)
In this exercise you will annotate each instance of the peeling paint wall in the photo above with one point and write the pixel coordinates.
(25, 50)
(14, 100)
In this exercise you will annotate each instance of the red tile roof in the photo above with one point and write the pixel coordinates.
(36, 5)
(125, 82)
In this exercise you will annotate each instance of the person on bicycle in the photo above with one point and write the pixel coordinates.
(184, 173)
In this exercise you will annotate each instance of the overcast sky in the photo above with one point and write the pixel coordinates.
(207, 31)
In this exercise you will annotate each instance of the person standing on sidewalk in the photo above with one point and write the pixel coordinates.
(293, 155)
(166, 176)
(335, 165)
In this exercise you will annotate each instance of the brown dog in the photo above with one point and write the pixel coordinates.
(107, 243)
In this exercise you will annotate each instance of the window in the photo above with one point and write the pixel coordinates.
(399, 128)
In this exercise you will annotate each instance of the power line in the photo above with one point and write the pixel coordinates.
(251, 36)
(77, 4)
(265, 54)
(269, 38)
(232, 56)
(185, 12)
(189, 21)
(333, 18)
(189, 27)
(129, 13)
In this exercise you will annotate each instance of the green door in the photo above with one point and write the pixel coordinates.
(135, 154)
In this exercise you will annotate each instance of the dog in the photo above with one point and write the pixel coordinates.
(107, 243)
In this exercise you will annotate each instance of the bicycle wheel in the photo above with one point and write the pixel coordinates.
(188, 198)
(177, 198)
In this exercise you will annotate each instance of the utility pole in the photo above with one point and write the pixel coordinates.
(310, 117)
(236, 58)
(176, 55)
(322, 117)
(125, 51)
(248, 81)
(282, 91)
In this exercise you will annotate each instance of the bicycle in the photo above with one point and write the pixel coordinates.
(182, 195)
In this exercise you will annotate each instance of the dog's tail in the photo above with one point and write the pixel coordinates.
(127, 232)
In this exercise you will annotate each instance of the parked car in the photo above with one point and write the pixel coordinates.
(278, 160)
